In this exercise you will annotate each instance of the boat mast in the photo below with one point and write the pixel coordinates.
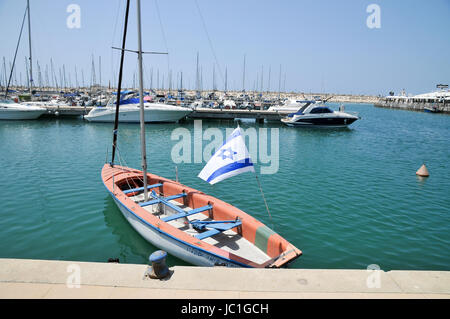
(226, 78)
(243, 77)
(214, 78)
(119, 86)
(26, 71)
(197, 78)
(141, 101)
(29, 44)
(15, 55)
(279, 84)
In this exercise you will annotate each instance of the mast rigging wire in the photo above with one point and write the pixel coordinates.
(209, 41)
(15, 54)
(164, 36)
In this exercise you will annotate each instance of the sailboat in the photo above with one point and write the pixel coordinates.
(189, 224)
(12, 110)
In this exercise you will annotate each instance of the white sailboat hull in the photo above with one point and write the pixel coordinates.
(153, 113)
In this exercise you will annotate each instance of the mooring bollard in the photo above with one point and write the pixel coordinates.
(159, 269)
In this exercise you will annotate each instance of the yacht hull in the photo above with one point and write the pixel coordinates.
(151, 115)
(13, 114)
(431, 110)
(333, 122)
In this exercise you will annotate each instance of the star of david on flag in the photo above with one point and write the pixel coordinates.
(230, 159)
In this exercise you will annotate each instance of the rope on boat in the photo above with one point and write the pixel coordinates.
(265, 202)
(124, 164)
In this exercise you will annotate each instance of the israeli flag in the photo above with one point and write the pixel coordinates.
(231, 159)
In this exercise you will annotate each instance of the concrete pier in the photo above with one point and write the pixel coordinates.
(67, 110)
(21, 278)
(419, 107)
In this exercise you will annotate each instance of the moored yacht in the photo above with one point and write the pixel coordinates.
(10, 110)
(129, 111)
(291, 105)
(312, 115)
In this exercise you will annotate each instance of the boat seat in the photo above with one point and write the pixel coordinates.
(185, 213)
(158, 200)
(180, 212)
(215, 227)
(141, 188)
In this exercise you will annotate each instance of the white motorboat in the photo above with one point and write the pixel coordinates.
(291, 105)
(313, 115)
(10, 110)
(229, 104)
(129, 112)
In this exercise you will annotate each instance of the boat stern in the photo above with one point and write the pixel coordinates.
(281, 251)
(285, 258)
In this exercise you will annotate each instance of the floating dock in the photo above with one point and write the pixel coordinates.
(231, 114)
(198, 113)
(23, 278)
(67, 110)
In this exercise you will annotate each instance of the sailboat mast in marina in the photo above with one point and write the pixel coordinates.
(187, 223)
(29, 45)
(10, 110)
(141, 101)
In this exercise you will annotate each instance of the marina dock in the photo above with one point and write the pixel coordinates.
(230, 114)
(199, 113)
(67, 110)
(24, 278)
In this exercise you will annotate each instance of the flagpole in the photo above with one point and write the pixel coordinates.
(262, 193)
(219, 166)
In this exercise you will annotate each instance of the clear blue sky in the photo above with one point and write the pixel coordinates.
(321, 45)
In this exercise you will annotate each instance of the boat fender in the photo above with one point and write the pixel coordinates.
(158, 269)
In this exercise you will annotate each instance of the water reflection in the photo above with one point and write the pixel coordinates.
(421, 179)
(133, 248)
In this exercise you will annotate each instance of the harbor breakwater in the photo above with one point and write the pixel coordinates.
(416, 106)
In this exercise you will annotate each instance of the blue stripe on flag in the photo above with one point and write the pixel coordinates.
(229, 168)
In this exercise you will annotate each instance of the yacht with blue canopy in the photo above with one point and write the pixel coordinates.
(129, 110)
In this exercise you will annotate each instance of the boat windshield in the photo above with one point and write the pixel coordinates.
(303, 108)
(6, 102)
(321, 110)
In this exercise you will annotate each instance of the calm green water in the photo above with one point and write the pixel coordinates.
(346, 198)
